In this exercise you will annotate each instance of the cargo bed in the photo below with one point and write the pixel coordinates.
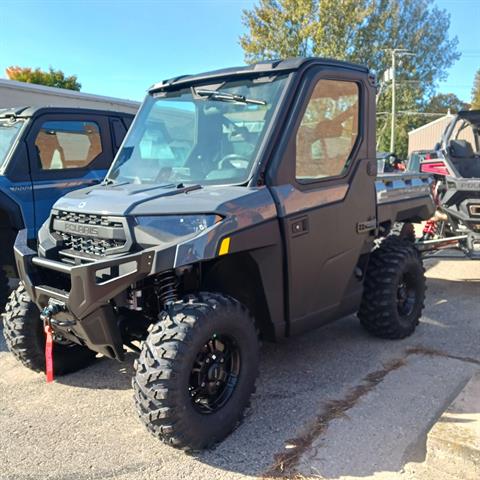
(402, 196)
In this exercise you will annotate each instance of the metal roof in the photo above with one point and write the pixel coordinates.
(433, 122)
(472, 115)
(66, 93)
(26, 112)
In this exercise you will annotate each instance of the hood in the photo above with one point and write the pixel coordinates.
(131, 199)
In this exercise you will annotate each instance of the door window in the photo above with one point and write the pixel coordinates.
(119, 132)
(67, 144)
(328, 130)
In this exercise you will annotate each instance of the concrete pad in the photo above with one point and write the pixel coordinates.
(387, 427)
(453, 443)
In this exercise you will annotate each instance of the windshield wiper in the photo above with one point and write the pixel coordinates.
(228, 97)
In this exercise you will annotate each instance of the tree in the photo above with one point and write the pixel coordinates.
(51, 78)
(443, 102)
(361, 31)
(476, 92)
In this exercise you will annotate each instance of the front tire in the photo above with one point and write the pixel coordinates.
(394, 290)
(197, 371)
(25, 338)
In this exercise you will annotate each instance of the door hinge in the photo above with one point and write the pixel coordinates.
(367, 226)
(372, 168)
(261, 180)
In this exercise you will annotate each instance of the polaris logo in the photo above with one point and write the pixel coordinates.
(88, 230)
(81, 229)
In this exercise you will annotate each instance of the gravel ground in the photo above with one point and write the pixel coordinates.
(335, 403)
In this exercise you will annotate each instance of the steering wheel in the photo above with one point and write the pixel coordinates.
(235, 160)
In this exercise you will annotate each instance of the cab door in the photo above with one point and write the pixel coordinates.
(66, 152)
(325, 195)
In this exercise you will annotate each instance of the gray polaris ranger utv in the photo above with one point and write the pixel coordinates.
(243, 204)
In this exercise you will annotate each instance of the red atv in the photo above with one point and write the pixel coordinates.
(455, 166)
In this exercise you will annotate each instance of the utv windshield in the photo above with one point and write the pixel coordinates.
(9, 131)
(203, 135)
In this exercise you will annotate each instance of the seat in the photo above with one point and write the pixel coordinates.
(50, 152)
(464, 159)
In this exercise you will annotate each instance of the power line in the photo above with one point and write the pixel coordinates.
(426, 114)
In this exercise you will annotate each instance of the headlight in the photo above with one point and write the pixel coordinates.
(167, 228)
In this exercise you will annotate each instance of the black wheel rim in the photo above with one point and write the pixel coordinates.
(406, 295)
(215, 373)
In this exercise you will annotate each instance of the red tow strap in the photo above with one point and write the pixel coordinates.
(49, 353)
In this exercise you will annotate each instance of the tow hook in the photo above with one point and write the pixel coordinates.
(49, 311)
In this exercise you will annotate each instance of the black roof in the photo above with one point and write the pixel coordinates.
(27, 112)
(472, 115)
(268, 66)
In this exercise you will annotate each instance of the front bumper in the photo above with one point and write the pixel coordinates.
(87, 315)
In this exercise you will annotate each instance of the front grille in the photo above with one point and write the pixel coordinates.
(87, 233)
(93, 246)
(87, 219)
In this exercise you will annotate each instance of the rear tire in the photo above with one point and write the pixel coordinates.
(394, 290)
(197, 371)
(25, 338)
(4, 288)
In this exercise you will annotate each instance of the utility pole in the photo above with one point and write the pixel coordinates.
(394, 106)
(395, 52)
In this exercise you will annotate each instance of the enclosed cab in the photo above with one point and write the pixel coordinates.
(244, 203)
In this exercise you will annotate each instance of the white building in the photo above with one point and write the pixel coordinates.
(428, 135)
(21, 94)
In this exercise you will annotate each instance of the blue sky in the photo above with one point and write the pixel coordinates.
(120, 47)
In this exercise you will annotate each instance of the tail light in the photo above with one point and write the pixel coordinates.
(437, 168)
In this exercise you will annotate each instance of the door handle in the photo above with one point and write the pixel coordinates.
(299, 226)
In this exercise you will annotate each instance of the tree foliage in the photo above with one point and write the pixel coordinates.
(444, 102)
(51, 78)
(361, 31)
(476, 92)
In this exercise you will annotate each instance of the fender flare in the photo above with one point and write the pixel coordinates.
(10, 213)
(11, 221)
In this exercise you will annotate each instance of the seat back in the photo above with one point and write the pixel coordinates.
(463, 157)
(460, 149)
